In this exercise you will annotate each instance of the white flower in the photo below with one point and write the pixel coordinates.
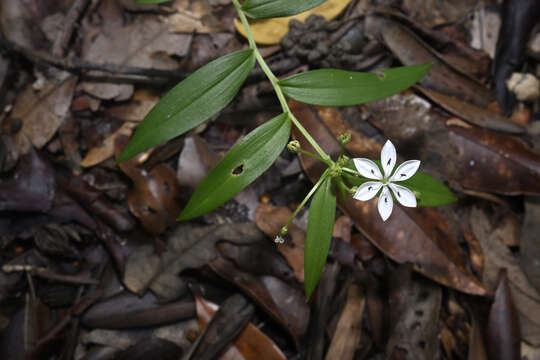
(370, 170)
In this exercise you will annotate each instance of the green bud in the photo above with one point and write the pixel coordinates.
(343, 160)
(293, 146)
(353, 190)
(345, 138)
(335, 171)
(283, 231)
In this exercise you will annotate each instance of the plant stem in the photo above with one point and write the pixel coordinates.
(308, 196)
(274, 81)
(315, 156)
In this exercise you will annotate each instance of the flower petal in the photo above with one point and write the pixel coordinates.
(385, 204)
(367, 168)
(403, 195)
(388, 158)
(406, 170)
(367, 190)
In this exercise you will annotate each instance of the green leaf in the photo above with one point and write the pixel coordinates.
(322, 213)
(330, 87)
(264, 9)
(428, 190)
(192, 101)
(144, 2)
(247, 159)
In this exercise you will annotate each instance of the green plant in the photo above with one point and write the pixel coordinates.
(212, 87)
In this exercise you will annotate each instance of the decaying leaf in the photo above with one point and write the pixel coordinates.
(497, 256)
(270, 293)
(42, 112)
(145, 42)
(530, 243)
(472, 113)
(103, 152)
(346, 338)
(410, 50)
(415, 306)
(419, 236)
(155, 196)
(251, 344)
(493, 162)
(194, 17)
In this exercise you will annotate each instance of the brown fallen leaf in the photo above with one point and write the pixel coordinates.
(138, 107)
(42, 112)
(346, 339)
(432, 13)
(154, 198)
(194, 17)
(497, 256)
(410, 50)
(477, 349)
(529, 244)
(104, 151)
(415, 306)
(283, 303)
(476, 115)
(420, 236)
(493, 162)
(503, 337)
(270, 219)
(144, 42)
(251, 344)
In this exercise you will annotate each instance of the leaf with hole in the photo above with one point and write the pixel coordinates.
(264, 9)
(331, 87)
(428, 190)
(192, 101)
(247, 160)
(322, 213)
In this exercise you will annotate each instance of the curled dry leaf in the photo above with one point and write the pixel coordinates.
(251, 344)
(270, 219)
(420, 236)
(410, 50)
(42, 112)
(155, 196)
(503, 337)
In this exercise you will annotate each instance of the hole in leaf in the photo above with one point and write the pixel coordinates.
(238, 170)
(380, 75)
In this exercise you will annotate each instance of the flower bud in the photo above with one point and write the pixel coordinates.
(293, 146)
(345, 138)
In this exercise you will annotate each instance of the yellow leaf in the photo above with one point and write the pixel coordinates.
(270, 31)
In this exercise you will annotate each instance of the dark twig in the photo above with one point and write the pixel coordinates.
(76, 65)
(61, 42)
